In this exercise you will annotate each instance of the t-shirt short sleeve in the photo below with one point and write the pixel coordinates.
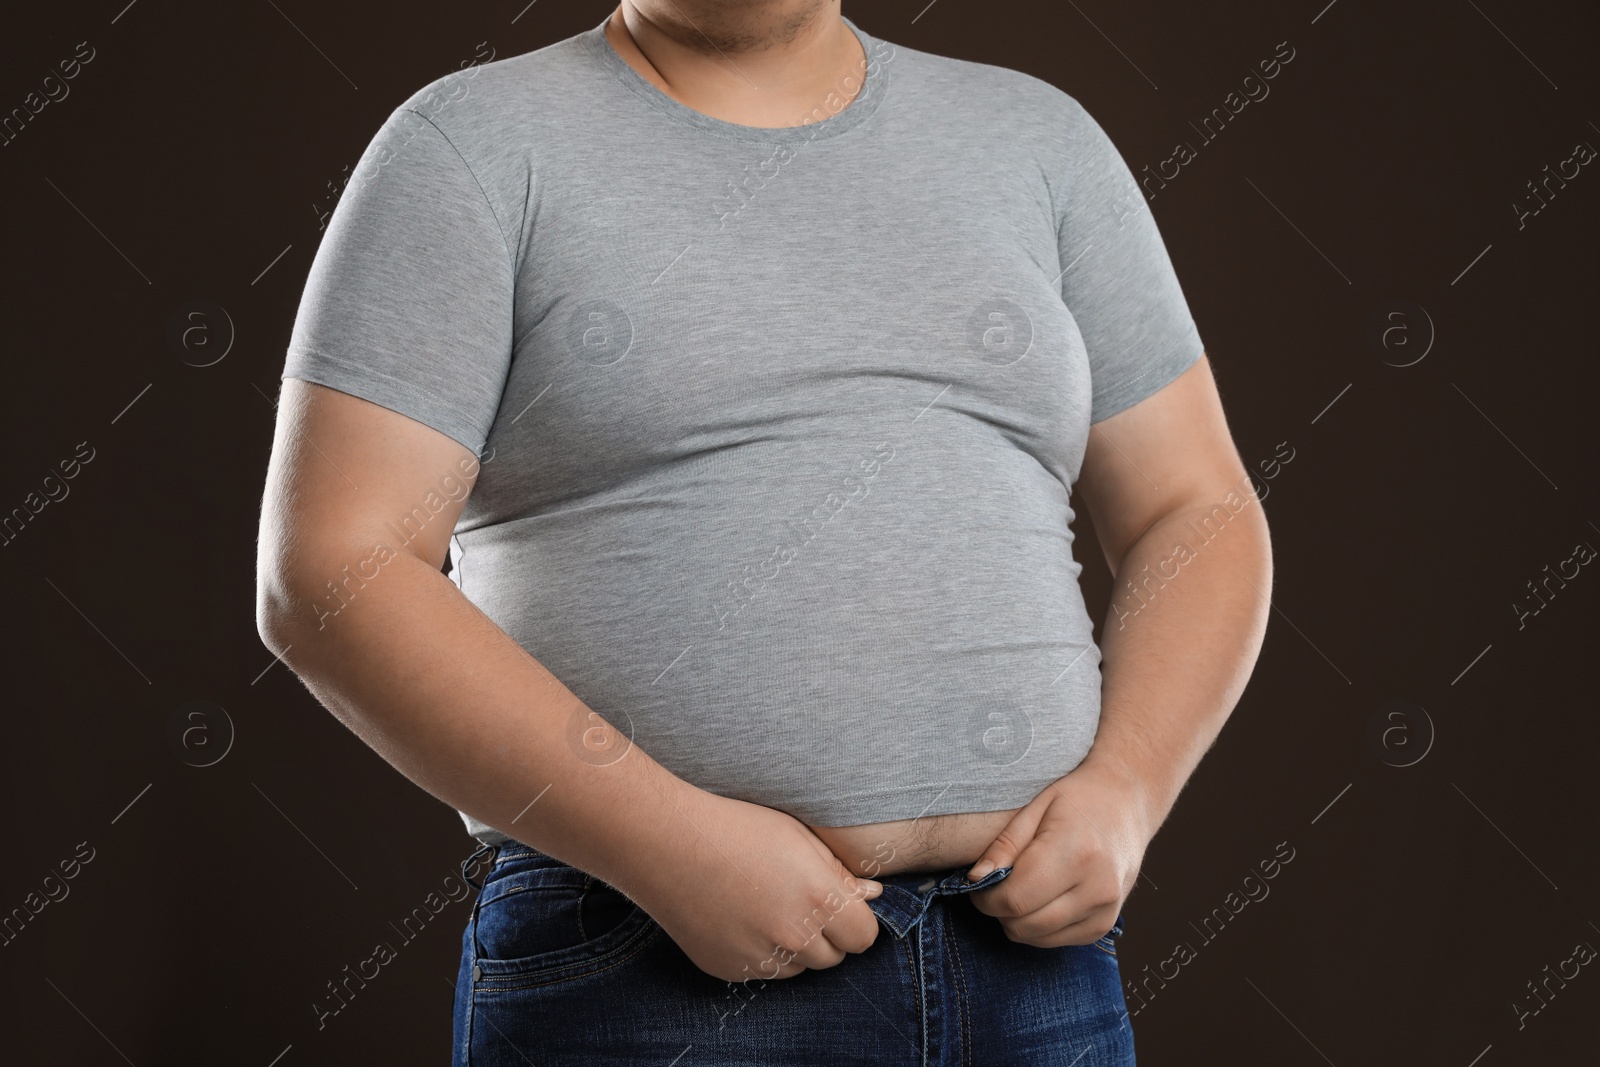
(408, 302)
(1118, 281)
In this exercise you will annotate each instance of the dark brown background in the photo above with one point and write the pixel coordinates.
(1421, 898)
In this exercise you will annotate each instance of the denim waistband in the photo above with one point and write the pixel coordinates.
(906, 897)
(902, 904)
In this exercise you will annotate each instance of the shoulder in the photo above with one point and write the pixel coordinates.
(492, 104)
(985, 92)
(1019, 116)
(494, 114)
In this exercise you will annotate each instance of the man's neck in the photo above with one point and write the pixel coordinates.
(768, 64)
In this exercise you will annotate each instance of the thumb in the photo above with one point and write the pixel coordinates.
(1008, 845)
(855, 885)
(866, 888)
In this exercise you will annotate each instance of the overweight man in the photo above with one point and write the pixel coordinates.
(672, 476)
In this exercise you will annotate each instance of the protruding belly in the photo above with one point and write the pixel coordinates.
(925, 844)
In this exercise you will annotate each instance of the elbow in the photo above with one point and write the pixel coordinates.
(270, 625)
(293, 566)
(274, 614)
(1263, 546)
(285, 603)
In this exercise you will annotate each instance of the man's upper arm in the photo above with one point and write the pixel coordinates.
(1171, 450)
(1157, 440)
(409, 302)
(395, 370)
(346, 477)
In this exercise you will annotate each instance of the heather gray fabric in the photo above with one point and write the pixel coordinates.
(777, 425)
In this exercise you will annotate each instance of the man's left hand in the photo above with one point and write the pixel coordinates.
(1074, 851)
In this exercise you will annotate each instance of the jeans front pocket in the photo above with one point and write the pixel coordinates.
(539, 921)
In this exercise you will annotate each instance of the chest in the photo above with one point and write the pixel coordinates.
(667, 306)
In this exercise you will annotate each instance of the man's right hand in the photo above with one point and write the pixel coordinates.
(763, 897)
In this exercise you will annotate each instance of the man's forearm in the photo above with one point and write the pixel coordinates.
(421, 675)
(1187, 618)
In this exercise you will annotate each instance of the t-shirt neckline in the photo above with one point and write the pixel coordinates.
(854, 114)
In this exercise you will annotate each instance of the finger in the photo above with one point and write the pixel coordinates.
(863, 889)
(856, 890)
(801, 952)
(822, 936)
(805, 942)
(854, 929)
(1071, 910)
(1085, 932)
(1007, 846)
(766, 970)
(1038, 876)
(819, 954)
(854, 885)
(788, 970)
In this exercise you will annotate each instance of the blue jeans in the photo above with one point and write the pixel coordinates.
(558, 967)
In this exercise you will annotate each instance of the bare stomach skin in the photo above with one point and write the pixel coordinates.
(914, 846)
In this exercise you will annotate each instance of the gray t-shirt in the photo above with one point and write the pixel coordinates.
(778, 425)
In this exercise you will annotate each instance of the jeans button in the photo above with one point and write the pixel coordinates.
(477, 972)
